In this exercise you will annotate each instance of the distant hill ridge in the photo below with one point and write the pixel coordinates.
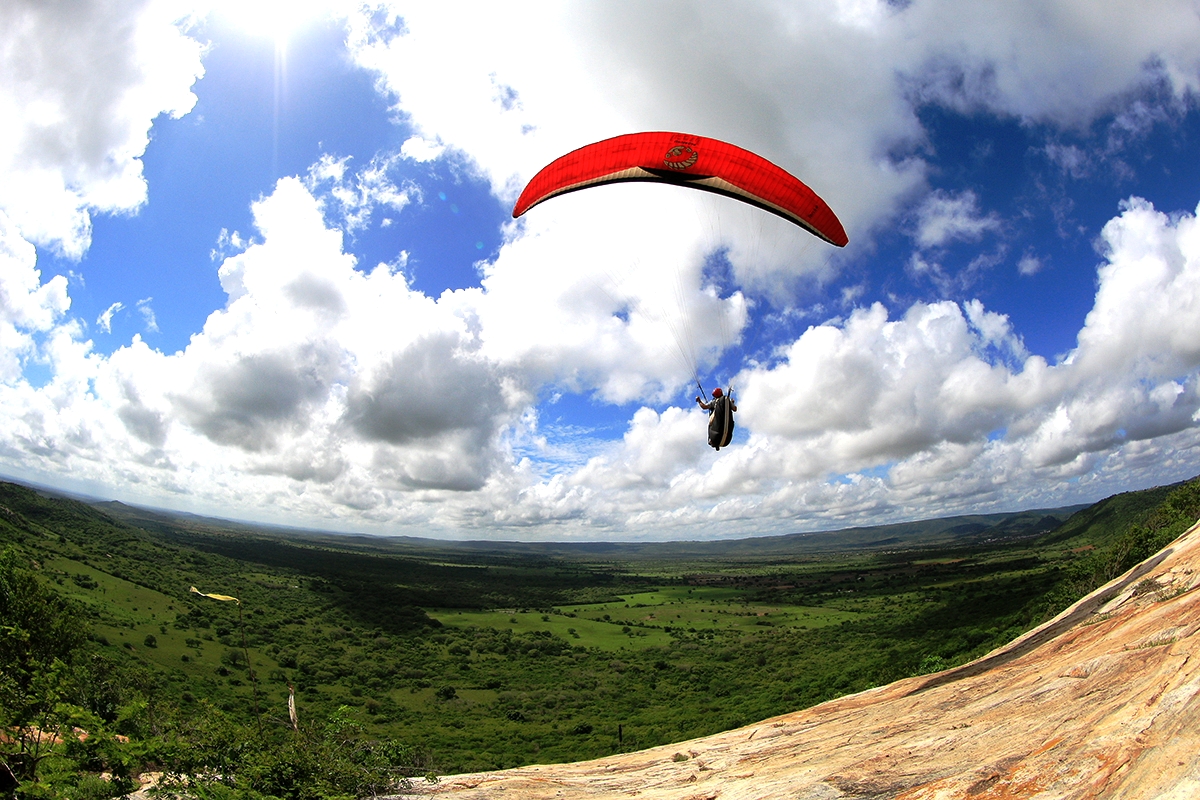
(962, 530)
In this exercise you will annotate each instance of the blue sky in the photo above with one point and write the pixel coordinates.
(257, 260)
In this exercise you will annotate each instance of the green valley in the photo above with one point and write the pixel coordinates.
(410, 657)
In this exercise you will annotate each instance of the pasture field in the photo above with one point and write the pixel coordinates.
(645, 619)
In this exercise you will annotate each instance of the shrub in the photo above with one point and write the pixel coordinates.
(332, 759)
(40, 636)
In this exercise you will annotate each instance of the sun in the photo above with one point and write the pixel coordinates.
(274, 19)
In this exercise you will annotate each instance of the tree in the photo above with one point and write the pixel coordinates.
(40, 635)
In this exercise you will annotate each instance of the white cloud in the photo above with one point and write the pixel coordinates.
(313, 375)
(351, 197)
(1063, 62)
(421, 150)
(945, 217)
(81, 88)
(144, 308)
(1071, 159)
(1145, 316)
(312, 354)
(104, 321)
(631, 324)
(27, 306)
(291, 400)
(994, 332)
(924, 396)
(1029, 264)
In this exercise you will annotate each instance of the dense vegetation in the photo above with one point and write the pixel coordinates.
(408, 658)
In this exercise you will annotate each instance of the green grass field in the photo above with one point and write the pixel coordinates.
(642, 619)
(141, 621)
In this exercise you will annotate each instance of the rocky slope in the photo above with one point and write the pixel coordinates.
(1102, 701)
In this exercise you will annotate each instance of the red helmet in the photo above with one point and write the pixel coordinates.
(717, 392)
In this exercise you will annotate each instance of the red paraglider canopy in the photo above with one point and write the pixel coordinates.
(686, 160)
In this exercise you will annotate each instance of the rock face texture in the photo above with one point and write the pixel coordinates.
(1102, 701)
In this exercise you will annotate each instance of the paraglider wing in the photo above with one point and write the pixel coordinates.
(686, 160)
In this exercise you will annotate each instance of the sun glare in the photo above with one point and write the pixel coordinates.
(275, 19)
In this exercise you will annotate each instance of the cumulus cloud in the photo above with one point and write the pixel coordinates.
(428, 390)
(421, 150)
(627, 324)
(337, 395)
(27, 306)
(941, 405)
(1060, 62)
(1144, 318)
(81, 87)
(248, 403)
(313, 373)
